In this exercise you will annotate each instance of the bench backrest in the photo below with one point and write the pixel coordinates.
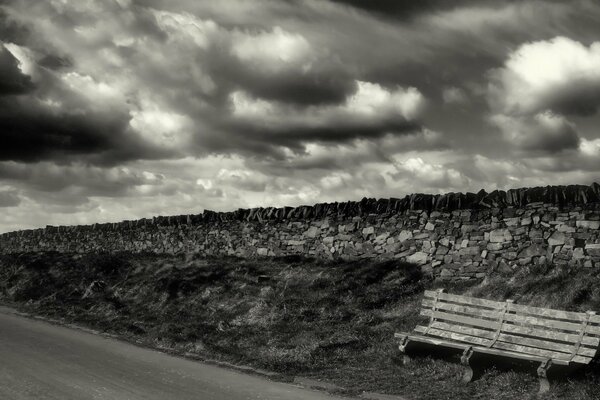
(539, 332)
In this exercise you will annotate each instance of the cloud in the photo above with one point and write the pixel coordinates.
(432, 176)
(9, 198)
(545, 132)
(561, 75)
(124, 109)
(371, 111)
(12, 80)
(454, 95)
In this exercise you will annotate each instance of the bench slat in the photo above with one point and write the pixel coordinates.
(536, 311)
(508, 346)
(504, 337)
(464, 309)
(553, 335)
(557, 314)
(465, 299)
(459, 318)
(509, 316)
(462, 346)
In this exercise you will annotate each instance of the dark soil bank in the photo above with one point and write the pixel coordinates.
(294, 316)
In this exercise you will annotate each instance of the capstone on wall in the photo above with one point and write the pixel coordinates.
(452, 236)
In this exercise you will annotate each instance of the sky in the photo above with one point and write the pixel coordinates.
(124, 109)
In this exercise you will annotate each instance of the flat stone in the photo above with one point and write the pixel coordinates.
(418, 258)
(470, 251)
(494, 246)
(512, 221)
(557, 239)
(593, 249)
(588, 224)
(566, 228)
(500, 236)
(368, 231)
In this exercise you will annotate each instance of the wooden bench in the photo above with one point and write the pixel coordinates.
(490, 332)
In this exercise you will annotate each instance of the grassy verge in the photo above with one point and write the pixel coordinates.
(295, 316)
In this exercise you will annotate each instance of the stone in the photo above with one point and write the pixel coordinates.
(578, 253)
(262, 251)
(470, 251)
(442, 250)
(312, 232)
(446, 272)
(593, 249)
(500, 236)
(588, 224)
(466, 228)
(429, 226)
(418, 258)
(557, 239)
(368, 231)
(533, 251)
(382, 237)
(404, 236)
(512, 221)
(494, 246)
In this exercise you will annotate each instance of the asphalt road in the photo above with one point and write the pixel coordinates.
(42, 361)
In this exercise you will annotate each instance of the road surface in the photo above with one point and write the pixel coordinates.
(42, 361)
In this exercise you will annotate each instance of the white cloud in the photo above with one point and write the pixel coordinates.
(560, 74)
(271, 49)
(434, 176)
(166, 129)
(372, 100)
(590, 148)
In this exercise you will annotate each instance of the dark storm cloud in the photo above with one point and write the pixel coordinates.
(402, 9)
(12, 81)
(53, 61)
(32, 133)
(322, 86)
(10, 30)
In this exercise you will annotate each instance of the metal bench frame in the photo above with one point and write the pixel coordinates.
(486, 330)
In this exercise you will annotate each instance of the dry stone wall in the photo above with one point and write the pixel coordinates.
(452, 236)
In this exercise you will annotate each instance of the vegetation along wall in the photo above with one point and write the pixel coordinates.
(453, 236)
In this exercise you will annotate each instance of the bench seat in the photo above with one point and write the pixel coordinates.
(486, 329)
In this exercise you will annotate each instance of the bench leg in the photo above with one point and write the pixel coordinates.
(542, 372)
(473, 367)
(404, 348)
